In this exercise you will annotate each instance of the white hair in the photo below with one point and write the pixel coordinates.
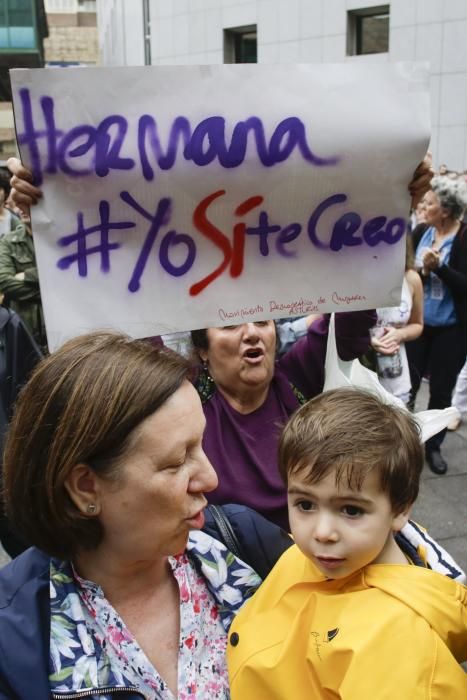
(452, 195)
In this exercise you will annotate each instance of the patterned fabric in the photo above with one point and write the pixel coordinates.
(301, 398)
(205, 384)
(90, 646)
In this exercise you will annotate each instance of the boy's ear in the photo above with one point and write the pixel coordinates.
(401, 519)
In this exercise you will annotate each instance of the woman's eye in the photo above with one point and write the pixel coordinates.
(176, 465)
(261, 323)
(352, 511)
(230, 328)
(305, 506)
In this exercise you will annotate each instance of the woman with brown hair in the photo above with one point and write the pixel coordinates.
(105, 474)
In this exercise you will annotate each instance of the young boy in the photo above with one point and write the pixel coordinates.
(346, 612)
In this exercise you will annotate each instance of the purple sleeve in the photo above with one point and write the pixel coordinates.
(303, 364)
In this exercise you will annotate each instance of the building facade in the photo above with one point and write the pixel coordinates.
(72, 36)
(174, 32)
(23, 28)
(38, 33)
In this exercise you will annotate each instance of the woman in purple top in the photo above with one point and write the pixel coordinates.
(248, 396)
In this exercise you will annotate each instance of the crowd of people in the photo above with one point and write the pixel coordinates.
(116, 446)
(426, 336)
(19, 280)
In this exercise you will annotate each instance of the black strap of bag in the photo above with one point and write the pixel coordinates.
(228, 536)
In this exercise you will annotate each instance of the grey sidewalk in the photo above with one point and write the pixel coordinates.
(442, 504)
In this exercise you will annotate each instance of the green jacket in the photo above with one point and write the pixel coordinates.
(23, 296)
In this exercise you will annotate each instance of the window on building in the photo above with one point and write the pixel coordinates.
(240, 45)
(87, 5)
(368, 31)
(17, 24)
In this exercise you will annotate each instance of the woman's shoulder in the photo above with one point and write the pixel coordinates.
(29, 568)
(413, 280)
(16, 235)
(24, 595)
(461, 237)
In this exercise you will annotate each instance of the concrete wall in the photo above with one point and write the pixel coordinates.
(72, 39)
(7, 132)
(120, 27)
(293, 31)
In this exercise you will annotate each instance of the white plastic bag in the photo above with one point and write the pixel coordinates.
(339, 373)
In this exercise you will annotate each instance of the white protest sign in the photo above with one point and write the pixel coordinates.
(194, 196)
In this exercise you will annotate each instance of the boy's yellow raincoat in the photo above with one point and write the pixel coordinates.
(386, 632)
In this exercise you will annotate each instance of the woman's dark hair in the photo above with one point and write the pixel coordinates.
(81, 405)
(5, 181)
(199, 339)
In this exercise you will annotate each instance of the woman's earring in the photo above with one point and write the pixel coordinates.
(91, 508)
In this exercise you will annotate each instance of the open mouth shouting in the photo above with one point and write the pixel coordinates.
(253, 355)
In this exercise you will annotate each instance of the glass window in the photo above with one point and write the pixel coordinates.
(368, 31)
(241, 45)
(17, 26)
(246, 48)
(20, 13)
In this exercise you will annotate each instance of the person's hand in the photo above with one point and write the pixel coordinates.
(311, 318)
(431, 260)
(421, 180)
(389, 342)
(23, 193)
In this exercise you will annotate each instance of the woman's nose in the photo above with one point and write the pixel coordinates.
(250, 331)
(205, 478)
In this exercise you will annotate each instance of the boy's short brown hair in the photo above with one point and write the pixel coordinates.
(354, 432)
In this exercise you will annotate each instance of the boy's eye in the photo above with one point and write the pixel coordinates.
(352, 511)
(305, 506)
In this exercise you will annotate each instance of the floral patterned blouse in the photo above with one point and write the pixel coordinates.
(100, 651)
